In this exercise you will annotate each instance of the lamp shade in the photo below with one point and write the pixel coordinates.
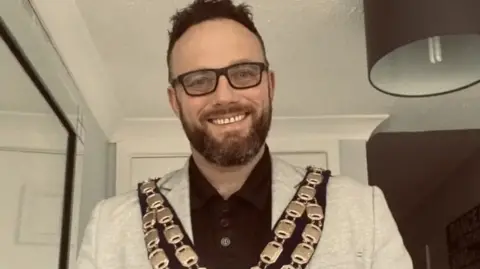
(418, 48)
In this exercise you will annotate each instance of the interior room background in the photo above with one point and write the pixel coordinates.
(424, 153)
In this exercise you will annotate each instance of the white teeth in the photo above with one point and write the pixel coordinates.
(228, 120)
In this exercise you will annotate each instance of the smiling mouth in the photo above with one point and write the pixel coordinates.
(229, 119)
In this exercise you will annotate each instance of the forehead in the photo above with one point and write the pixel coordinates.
(213, 44)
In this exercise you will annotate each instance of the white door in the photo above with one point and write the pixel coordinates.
(31, 205)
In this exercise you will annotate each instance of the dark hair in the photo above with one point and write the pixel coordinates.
(204, 10)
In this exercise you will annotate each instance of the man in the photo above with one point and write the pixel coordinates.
(219, 210)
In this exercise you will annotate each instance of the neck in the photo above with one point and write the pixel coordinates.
(226, 180)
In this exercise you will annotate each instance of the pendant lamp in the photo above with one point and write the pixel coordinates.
(421, 48)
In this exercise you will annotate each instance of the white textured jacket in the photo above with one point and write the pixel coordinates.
(359, 230)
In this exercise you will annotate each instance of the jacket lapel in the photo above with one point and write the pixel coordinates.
(285, 177)
(176, 190)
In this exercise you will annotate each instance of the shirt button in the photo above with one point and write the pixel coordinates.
(225, 242)
(225, 210)
(224, 223)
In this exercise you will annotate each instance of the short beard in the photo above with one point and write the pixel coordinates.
(232, 150)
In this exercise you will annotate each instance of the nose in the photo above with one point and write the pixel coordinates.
(224, 92)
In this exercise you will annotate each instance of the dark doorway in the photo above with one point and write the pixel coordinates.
(430, 180)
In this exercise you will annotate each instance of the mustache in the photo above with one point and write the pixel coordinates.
(230, 109)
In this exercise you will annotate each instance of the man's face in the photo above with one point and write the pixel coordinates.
(228, 126)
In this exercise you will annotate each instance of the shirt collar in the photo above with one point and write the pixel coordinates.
(256, 189)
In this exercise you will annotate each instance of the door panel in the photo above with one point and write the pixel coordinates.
(31, 200)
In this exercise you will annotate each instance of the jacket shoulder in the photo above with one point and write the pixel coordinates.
(338, 183)
(129, 200)
(351, 194)
(348, 184)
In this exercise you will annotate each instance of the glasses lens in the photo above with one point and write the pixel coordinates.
(245, 75)
(199, 82)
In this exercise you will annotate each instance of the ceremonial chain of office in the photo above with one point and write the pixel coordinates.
(160, 223)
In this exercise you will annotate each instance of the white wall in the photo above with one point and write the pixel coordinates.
(98, 182)
(353, 159)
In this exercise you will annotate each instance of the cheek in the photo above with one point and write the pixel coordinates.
(191, 109)
(260, 97)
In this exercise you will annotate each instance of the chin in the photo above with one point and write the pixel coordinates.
(232, 134)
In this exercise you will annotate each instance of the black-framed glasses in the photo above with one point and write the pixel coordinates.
(204, 81)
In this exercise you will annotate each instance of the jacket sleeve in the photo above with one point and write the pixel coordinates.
(87, 258)
(389, 250)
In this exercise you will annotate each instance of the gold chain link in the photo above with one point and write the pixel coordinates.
(304, 202)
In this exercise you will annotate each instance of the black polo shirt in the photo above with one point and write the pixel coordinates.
(231, 233)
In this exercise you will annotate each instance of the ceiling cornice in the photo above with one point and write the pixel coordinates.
(338, 127)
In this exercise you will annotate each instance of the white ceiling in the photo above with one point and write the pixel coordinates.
(316, 47)
(132, 38)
